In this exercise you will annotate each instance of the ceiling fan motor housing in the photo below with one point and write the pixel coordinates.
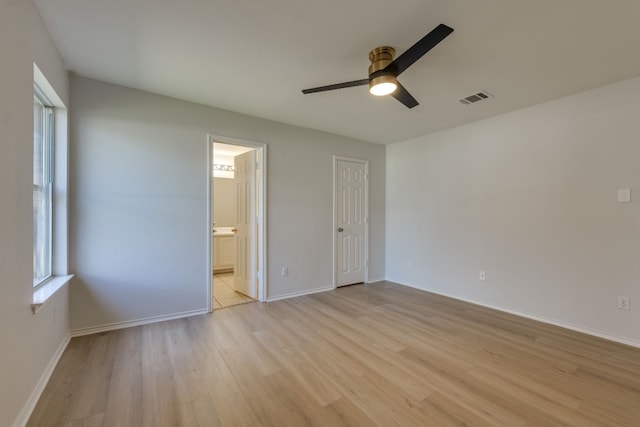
(380, 57)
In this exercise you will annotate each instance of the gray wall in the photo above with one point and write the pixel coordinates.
(29, 342)
(138, 202)
(530, 197)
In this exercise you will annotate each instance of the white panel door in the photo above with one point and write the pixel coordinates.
(245, 182)
(351, 221)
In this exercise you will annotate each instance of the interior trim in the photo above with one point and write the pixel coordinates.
(603, 335)
(32, 401)
(128, 324)
(301, 293)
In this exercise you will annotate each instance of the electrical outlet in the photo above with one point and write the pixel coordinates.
(623, 303)
(285, 271)
(482, 276)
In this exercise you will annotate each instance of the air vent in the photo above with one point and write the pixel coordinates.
(476, 97)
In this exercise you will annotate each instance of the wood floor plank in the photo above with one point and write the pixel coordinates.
(231, 404)
(313, 378)
(92, 421)
(344, 413)
(199, 413)
(365, 355)
(124, 397)
(159, 396)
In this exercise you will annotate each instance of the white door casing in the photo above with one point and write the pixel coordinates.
(351, 219)
(261, 213)
(245, 183)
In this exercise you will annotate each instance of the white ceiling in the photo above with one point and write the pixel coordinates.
(254, 56)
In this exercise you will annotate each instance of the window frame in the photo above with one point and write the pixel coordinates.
(59, 198)
(44, 152)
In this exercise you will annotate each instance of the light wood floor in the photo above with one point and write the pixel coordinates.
(366, 355)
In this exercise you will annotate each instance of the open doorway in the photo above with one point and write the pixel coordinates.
(237, 244)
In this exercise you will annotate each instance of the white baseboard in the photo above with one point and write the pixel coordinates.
(30, 405)
(130, 323)
(300, 293)
(376, 279)
(599, 334)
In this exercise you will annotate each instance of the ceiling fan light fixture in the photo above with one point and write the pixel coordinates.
(384, 70)
(383, 85)
(381, 81)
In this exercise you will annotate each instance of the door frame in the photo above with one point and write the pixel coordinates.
(261, 212)
(336, 159)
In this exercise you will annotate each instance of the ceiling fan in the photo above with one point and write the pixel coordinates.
(384, 70)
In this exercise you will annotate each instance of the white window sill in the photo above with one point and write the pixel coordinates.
(46, 291)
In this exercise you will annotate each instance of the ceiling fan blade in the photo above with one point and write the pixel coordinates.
(336, 86)
(403, 95)
(416, 51)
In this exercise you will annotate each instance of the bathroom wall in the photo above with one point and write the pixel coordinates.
(224, 202)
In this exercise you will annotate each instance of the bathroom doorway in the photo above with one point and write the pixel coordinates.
(237, 191)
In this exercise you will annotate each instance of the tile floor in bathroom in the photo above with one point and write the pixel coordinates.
(223, 293)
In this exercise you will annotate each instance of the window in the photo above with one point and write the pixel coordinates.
(50, 207)
(42, 187)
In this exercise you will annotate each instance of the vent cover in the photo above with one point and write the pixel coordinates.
(476, 97)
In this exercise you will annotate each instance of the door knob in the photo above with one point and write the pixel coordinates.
(340, 230)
